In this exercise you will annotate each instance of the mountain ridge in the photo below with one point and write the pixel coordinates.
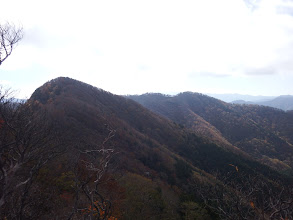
(248, 98)
(284, 102)
(158, 166)
(240, 125)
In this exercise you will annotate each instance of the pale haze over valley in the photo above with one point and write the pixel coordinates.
(134, 47)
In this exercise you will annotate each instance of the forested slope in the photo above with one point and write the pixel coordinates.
(108, 157)
(263, 132)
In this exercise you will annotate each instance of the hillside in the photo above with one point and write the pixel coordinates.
(86, 110)
(260, 131)
(108, 157)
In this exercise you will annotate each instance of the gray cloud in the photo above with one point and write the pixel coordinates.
(286, 9)
(143, 67)
(281, 64)
(42, 38)
(252, 4)
(284, 60)
(211, 74)
(35, 37)
(269, 70)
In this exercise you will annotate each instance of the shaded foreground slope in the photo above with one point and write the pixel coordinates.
(158, 169)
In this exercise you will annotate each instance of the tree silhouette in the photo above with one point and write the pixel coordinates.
(91, 165)
(9, 37)
(27, 143)
(241, 196)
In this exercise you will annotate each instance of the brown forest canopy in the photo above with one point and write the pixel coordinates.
(95, 155)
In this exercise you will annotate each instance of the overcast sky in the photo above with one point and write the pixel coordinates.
(133, 47)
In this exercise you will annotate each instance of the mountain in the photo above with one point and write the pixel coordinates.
(246, 98)
(242, 102)
(262, 132)
(162, 158)
(284, 102)
(85, 110)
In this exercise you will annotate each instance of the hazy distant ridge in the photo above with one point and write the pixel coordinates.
(247, 98)
(284, 102)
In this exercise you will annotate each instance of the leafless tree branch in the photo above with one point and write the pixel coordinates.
(247, 197)
(90, 168)
(27, 143)
(9, 37)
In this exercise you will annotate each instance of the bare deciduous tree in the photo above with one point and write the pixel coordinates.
(9, 37)
(247, 197)
(26, 144)
(91, 166)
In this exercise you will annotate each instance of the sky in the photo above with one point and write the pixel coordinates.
(166, 46)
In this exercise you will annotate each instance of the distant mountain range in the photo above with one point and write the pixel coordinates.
(247, 98)
(284, 102)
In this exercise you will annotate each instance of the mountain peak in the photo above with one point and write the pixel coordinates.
(72, 87)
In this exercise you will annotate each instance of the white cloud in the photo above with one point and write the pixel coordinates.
(139, 46)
